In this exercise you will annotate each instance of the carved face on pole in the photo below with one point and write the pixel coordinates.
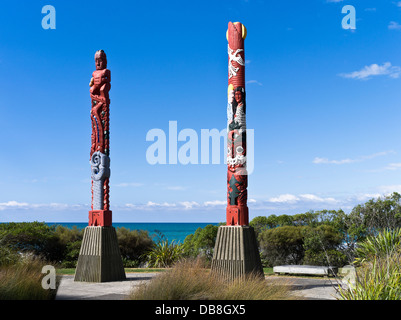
(238, 96)
(100, 60)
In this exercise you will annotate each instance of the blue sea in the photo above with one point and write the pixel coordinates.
(176, 231)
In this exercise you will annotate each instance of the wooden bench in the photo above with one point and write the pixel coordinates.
(306, 270)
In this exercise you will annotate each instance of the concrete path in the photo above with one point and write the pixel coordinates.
(118, 290)
(314, 288)
(306, 288)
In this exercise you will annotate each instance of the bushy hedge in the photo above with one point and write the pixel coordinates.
(31, 237)
(60, 245)
(201, 243)
(133, 246)
(321, 245)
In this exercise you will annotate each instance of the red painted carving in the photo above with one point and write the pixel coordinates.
(237, 176)
(99, 92)
(100, 114)
(100, 218)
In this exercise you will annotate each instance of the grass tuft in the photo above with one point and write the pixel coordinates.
(23, 281)
(191, 280)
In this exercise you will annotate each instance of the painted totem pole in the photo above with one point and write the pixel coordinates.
(100, 149)
(236, 251)
(237, 176)
(99, 257)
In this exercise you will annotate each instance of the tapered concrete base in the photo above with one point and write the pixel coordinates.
(99, 258)
(236, 253)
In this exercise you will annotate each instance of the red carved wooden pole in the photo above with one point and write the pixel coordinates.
(100, 215)
(99, 258)
(236, 249)
(237, 176)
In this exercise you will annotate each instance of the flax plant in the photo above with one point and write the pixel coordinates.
(378, 273)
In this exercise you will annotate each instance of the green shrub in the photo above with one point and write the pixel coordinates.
(376, 279)
(201, 243)
(321, 246)
(164, 254)
(378, 275)
(34, 237)
(70, 239)
(384, 244)
(282, 245)
(7, 255)
(329, 257)
(133, 246)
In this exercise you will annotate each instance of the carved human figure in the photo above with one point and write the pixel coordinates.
(99, 92)
(101, 77)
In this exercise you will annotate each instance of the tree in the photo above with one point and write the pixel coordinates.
(259, 224)
(201, 242)
(321, 245)
(32, 237)
(133, 245)
(282, 245)
(376, 215)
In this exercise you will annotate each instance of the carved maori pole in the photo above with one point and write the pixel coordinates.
(99, 257)
(100, 149)
(236, 250)
(237, 176)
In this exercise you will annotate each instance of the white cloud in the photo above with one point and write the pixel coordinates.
(12, 205)
(189, 204)
(315, 198)
(390, 189)
(290, 198)
(284, 198)
(393, 166)
(214, 203)
(164, 204)
(254, 81)
(334, 1)
(393, 25)
(176, 188)
(319, 160)
(182, 205)
(128, 184)
(374, 70)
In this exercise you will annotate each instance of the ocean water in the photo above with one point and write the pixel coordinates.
(176, 231)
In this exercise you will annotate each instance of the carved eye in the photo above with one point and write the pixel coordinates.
(240, 150)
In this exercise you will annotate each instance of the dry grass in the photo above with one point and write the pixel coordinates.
(190, 280)
(23, 281)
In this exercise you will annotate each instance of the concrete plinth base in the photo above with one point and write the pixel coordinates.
(99, 258)
(236, 252)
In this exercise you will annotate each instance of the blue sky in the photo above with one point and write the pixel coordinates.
(323, 101)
